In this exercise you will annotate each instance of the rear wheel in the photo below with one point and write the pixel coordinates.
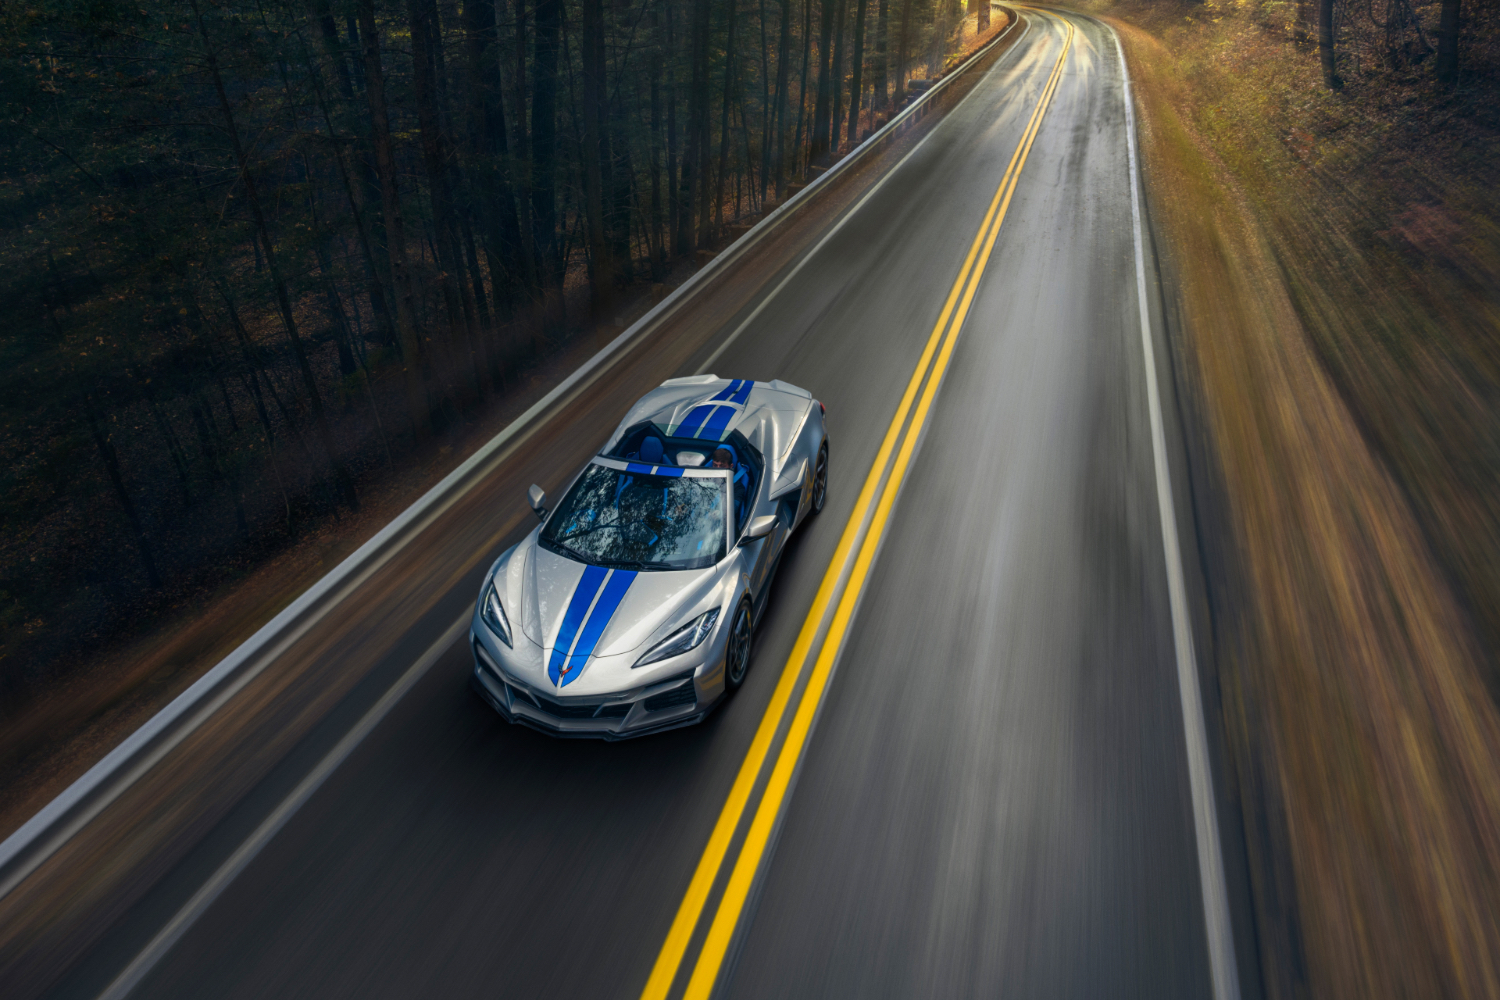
(737, 656)
(820, 479)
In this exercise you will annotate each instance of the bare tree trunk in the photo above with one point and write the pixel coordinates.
(476, 279)
(819, 148)
(205, 331)
(362, 194)
(489, 152)
(983, 24)
(208, 445)
(783, 69)
(342, 335)
(856, 85)
(765, 104)
(1325, 45)
(104, 444)
(695, 163)
(1447, 53)
(341, 329)
(801, 135)
(619, 177)
(111, 461)
(422, 16)
(677, 186)
(882, 92)
(530, 269)
(395, 227)
(903, 37)
(601, 258)
(169, 440)
(658, 236)
(376, 293)
(837, 118)
(283, 296)
(251, 376)
(549, 15)
(725, 132)
(746, 168)
(468, 326)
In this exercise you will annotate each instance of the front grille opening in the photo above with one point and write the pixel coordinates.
(685, 695)
(615, 711)
(583, 710)
(516, 694)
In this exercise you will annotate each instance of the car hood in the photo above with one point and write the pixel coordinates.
(579, 614)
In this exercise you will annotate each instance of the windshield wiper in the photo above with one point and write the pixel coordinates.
(567, 549)
(590, 530)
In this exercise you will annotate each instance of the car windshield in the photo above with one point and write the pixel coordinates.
(634, 520)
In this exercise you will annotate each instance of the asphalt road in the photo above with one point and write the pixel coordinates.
(995, 800)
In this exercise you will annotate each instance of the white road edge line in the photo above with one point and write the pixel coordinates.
(766, 300)
(1223, 968)
(201, 900)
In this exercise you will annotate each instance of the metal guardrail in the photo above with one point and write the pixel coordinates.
(52, 826)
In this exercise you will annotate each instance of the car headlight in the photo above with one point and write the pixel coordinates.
(493, 613)
(679, 642)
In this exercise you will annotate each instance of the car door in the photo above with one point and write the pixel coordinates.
(766, 550)
(786, 506)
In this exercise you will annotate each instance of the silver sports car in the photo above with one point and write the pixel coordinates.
(630, 608)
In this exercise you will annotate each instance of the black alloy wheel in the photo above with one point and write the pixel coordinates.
(820, 479)
(737, 656)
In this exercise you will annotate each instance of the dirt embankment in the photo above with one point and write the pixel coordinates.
(1353, 660)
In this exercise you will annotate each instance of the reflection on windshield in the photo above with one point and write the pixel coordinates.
(632, 520)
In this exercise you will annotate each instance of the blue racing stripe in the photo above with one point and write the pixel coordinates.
(741, 394)
(653, 470)
(712, 413)
(609, 602)
(729, 390)
(690, 424)
(578, 606)
(713, 427)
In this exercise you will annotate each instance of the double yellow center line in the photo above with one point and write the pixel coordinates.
(940, 345)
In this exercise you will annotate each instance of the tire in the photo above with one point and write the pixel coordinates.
(737, 653)
(820, 480)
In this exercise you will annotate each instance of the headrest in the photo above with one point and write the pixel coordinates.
(652, 451)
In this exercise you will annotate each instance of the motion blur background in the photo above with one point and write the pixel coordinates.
(270, 270)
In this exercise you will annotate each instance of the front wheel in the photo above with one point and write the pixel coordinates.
(737, 656)
(820, 479)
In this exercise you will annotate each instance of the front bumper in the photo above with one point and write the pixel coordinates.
(668, 704)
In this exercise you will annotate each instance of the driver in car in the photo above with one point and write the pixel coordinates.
(724, 459)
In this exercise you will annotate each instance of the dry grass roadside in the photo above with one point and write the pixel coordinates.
(1353, 682)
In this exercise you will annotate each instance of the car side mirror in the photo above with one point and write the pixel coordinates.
(760, 527)
(537, 499)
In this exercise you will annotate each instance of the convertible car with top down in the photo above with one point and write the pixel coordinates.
(630, 609)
